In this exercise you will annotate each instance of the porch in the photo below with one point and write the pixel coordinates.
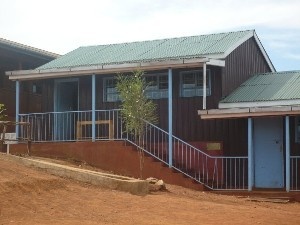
(217, 172)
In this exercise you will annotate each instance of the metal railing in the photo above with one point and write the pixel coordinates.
(216, 172)
(72, 125)
(295, 173)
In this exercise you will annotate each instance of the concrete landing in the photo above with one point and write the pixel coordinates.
(111, 181)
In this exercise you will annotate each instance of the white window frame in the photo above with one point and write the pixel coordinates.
(155, 91)
(194, 90)
(152, 91)
(114, 96)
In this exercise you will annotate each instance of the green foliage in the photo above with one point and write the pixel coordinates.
(136, 108)
(2, 109)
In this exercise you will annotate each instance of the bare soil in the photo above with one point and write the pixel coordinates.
(31, 196)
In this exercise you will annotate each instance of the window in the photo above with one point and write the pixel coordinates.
(36, 88)
(157, 86)
(110, 91)
(297, 129)
(192, 83)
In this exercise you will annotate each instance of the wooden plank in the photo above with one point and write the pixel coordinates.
(202, 112)
(88, 122)
(295, 108)
(228, 111)
(271, 109)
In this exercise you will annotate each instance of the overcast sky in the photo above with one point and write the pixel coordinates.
(61, 26)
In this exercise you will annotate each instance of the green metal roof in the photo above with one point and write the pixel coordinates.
(147, 51)
(267, 87)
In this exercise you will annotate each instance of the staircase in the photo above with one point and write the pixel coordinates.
(214, 172)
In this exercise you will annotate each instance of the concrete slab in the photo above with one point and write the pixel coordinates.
(111, 181)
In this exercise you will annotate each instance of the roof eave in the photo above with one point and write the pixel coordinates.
(270, 103)
(108, 69)
(234, 113)
(29, 49)
(265, 54)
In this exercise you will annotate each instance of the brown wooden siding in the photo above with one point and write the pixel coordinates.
(295, 147)
(242, 63)
(29, 102)
(13, 59)
(48, 96)
(85, 93)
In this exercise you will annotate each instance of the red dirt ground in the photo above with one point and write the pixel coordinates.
(31, 196)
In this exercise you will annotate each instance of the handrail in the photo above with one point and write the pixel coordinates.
(295, 172)
(212, 171)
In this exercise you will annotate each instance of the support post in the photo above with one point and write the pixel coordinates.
(250, 155)
(287, 153)
(204, 85)
(170, 109)
(93, 107)
(17, 107)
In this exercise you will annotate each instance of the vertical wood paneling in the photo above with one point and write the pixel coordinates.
(295, 147)
(48, 95)
(243, 62)
(85, 93)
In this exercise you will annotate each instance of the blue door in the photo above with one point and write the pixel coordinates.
(268, 152)
(66, 102)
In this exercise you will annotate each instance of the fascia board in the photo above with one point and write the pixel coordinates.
(102, 69)
(259, 104)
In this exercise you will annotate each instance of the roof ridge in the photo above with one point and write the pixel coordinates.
(166, 39)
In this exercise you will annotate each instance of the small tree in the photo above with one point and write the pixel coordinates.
(136, 108)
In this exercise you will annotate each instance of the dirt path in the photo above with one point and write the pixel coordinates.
(31, 196)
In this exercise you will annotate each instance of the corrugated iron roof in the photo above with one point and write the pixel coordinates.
(267, 87)
(147, 51)
(28, 48)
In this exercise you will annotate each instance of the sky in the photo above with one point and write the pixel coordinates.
(61, 26)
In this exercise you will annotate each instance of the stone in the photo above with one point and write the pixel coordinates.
(152, 180)
(155, 184)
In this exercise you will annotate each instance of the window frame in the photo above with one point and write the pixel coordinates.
(157, 92)
(197, 90)
(151, 93)
(105, 93)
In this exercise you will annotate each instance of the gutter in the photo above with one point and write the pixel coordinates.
(109, 69)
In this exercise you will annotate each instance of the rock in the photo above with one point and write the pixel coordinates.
(152, 180)
(161, 184)
(155, 184)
